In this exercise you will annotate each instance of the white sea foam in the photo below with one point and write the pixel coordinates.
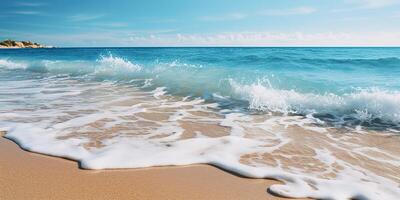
(6, 63)
(115, 66)
(224, 152)
(109, 66)
(61, 129)
(159, 92)
(363, 104)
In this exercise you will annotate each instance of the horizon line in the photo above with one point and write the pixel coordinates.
(305, 46)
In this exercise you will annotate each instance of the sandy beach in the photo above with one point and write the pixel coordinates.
(26, 175)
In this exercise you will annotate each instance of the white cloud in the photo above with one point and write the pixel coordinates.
(289, 11)
(30, 4)
(270, 39)
(27, 12)
(127, 39)
(84, 17)
(372, 3)
(228, 17)
(111, 24)
(272, 12)
(396, 15)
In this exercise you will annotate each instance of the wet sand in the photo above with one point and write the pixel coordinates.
(26, 175)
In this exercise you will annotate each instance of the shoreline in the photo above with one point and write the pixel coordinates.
(28, 175)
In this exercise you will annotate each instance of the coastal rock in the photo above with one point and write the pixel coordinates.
(20, 44)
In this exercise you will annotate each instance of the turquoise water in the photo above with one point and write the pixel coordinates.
(351, 85)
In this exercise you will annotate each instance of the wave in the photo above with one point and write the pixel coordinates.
(365, 106)
(368, 105)
(375, 62)
(7, 64)
(109, 65)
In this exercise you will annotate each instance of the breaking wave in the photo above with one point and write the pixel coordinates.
(367, 107)
(364, 105)
(110, 66)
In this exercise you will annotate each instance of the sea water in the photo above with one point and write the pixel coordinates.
(324, 121)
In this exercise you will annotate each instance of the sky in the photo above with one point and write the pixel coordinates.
(120, 23)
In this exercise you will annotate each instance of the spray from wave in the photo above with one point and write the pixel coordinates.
(368, 105)
(7, 64)
(114, 66)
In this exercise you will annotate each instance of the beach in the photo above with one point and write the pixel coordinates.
(26, 175)
(205, 123)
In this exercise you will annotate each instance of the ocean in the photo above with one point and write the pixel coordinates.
(324, 121)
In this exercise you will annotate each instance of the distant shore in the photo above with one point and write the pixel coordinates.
(12, 44)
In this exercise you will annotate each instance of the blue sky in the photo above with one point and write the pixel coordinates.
(203, 23)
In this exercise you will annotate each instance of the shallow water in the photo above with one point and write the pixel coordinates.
(325, 121)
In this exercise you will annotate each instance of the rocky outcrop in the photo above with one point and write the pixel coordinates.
(20, 44)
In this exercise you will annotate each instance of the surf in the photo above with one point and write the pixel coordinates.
(238, 110)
